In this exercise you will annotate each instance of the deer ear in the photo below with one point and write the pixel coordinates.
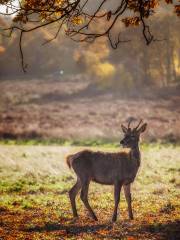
(124, 129)
(142, 128)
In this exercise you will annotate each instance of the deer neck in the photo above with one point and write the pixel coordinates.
(135, 155)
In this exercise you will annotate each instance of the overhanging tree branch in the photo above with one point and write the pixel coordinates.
(83, 20)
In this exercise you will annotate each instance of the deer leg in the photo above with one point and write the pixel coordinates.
(117, 190)
(84, 198)
(127, 192)
(72, 195)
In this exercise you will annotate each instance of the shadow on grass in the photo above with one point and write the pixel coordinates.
(169, 230)
(73, 229)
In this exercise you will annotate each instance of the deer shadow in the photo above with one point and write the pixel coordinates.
(69, 228)
(168, 230)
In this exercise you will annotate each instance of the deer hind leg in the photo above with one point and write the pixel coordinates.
(72, 195)
(84, 198)
(117, 190)
(127, 192)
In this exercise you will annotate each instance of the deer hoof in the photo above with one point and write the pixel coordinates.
(114, 219)
(75, 214)
(74, 220)
(131, 217)
(75, 217)
(95, 218)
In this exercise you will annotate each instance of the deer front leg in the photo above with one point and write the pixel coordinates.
(127, 192)
(117, 190)
(84, 198)
(72, 195)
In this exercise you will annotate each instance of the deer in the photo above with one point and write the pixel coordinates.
(116, 168)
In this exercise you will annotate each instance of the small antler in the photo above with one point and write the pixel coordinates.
(138, 124)
(129, 123)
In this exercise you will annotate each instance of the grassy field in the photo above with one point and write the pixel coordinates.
(34, 204)
(68, 108)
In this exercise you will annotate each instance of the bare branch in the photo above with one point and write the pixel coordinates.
(81, 19)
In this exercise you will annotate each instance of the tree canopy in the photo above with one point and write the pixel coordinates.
(84, 20)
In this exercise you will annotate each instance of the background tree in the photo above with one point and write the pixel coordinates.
(78, 18)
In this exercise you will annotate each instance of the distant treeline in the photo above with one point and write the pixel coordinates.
(132, 65)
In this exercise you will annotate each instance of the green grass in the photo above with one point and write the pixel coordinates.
(62, 142)
(82, 142)
(34, 203)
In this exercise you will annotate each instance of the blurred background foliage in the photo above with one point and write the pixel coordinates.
(84, 91)
(131, 66)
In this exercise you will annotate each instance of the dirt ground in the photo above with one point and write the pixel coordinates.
(70, 109)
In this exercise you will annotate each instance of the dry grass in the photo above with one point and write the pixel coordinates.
(34, 202)
(67, 109)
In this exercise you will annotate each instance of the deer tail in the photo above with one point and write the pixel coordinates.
(69, 160)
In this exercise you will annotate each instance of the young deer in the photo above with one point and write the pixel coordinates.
(118, 169)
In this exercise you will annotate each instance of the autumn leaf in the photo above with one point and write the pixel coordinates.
(109, 15)
(131, 238)
(169, 1)
(177, 10)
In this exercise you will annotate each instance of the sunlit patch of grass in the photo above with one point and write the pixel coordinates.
(11, 186)
(159, 191)
(61, 142)
(41, 204)
(103, 142)
(167, 208)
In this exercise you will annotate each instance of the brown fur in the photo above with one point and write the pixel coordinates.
(118, 169)
(103, 167)
(69, 160)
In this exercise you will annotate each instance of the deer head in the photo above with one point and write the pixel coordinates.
(131, 136)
